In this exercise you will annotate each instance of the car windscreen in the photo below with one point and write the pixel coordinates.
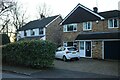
(72, 49)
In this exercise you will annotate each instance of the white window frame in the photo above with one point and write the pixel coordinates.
(65, 29)
(32, 32)
(85, 26)
(113, 23)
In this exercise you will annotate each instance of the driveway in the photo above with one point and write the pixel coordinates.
(105, 67)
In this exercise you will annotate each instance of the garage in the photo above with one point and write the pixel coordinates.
(111, 50)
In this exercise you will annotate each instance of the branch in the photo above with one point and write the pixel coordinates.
(3, 26)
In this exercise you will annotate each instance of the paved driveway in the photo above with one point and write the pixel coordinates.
(105, 67)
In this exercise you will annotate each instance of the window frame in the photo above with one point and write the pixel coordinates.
(41, 30)
(32, 32)
(113, 26)
(65, 27)
(85, 26)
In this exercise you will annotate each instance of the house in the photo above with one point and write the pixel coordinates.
(42, 29)
(95, 34)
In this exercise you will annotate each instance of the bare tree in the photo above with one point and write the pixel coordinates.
(43, 11)
(18, 16)
(11, 16)
(5, 6)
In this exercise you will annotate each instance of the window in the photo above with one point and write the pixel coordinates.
(87, 25)
(70, 44)
(32, 32)
(70, 27)
(113, 23)
(40, 31)
(81, 45)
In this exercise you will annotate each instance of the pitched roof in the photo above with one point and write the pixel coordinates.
(81, 14)
(110, 14)
(38, 23)
(105, 35)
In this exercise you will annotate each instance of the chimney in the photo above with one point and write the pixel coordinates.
(95, 9)
(42, 16)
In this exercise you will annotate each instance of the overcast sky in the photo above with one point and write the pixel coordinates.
(63, 7)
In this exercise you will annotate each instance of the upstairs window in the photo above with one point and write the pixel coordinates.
(40, 31)
(32, 32)
(87, 26)
(113, 23)
(70, 28)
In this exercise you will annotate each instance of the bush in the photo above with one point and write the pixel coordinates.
(34, 53)
(5, 39)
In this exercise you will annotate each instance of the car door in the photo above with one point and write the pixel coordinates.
(58, 53)
(62, 52)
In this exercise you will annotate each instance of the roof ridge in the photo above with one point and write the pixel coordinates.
(110, 11)
(42, 22)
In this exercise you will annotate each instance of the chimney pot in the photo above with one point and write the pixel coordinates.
(95, 9)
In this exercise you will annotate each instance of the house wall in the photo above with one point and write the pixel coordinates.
(28, 33)
(97, 49)
(54, 31)
(106, 29)
(100, 26)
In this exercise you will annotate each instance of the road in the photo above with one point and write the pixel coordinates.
(13, 75)
(74, 70)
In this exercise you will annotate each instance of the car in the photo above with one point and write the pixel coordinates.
(67, 53)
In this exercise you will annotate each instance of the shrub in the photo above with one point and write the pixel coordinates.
(34, 53)
(5, 39)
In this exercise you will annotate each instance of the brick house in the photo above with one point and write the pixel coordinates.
(95, 34)
(42, 29)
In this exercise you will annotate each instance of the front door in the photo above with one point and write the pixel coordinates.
(85, 48)
(88, 49)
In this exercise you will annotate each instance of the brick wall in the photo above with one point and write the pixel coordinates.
(97, 49)
(54, 32)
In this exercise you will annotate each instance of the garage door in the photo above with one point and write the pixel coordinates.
(111, 50)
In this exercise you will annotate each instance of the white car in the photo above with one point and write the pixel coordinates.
(67, 53)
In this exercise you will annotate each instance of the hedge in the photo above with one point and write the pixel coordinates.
(34, 53)
(5, 39)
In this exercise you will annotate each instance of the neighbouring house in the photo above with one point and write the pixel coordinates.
(42, 29)
(95, 34)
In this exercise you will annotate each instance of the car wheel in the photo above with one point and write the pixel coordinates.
(77, 58)
(64, 58)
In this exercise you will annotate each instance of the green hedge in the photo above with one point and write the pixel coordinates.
(5, 39)
(34, 53)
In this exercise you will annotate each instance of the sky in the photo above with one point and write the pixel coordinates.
(63, 7)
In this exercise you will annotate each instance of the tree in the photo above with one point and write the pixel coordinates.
(11, 16)
(43, 11)
(5, 6)
(18, 16)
